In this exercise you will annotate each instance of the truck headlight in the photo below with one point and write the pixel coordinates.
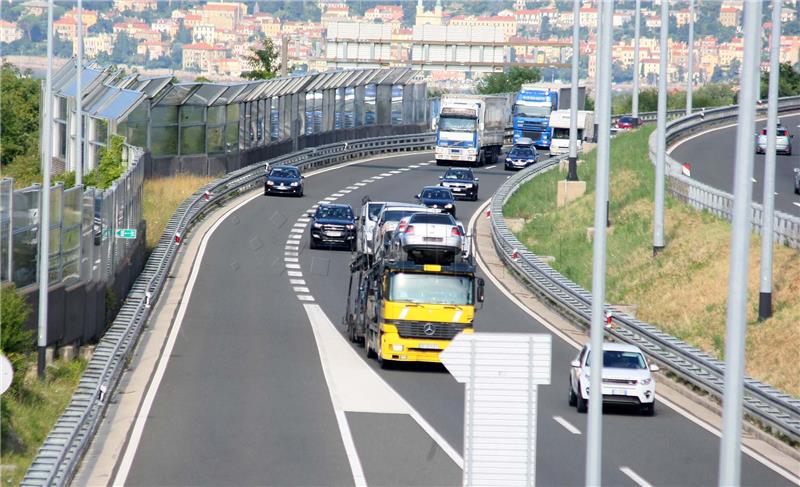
(397, 348)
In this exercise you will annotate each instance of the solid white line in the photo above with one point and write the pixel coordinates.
(635, 477)
(305, 297)
(359, 479)
(395, 172)
(292, 266)
(491, 167)
(795, 203)
(567, 425)
(297, 282)
(301, 289)
(294, 274)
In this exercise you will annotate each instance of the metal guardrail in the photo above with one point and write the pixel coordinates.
(65, 445)
(763, 403)
(715, 201)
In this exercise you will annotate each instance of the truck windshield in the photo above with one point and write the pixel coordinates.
(563, 133)
(532, 111)
(430, 289)
(457, 124)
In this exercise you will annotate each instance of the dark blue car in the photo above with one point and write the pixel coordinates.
(284, 180)
(438, 197)
(521, 157)
(462, 182)
(333, 224)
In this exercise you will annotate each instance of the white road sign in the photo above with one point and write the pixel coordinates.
(6, 374)
(501, 372)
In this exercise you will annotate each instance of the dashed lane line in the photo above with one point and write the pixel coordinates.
(290, 265)
(567, 425)
(491, 167)
(301, 289)
(297, 282)
(635, 477)
(305, 297)
(294, 274)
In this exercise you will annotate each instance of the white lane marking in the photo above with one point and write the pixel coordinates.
(574, 344)
(338, 195)
(355, 386)
(301, 224)
(404, 169)
(395, 172)
(351, 188)
(754, 180)
(567, 425)
(297, 230)
(304, 219)
(426, 163)
(291, 254)
(386, 174)
(491, 167)
(331, 198)
(297, 282)
(313, 207)
(305, 297)
(360, 184)
(300, 289)
(294, 274)
(795, 203)
(377, 177)
(289, 265)
(414, 166)
(292, 248)
(704, 132)
(635, 477)
(345, 191)
(295, 236)
(291, 259)
(359, 479)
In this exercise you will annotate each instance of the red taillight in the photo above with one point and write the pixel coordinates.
(454, 231)
(410, 230)
(401, 226)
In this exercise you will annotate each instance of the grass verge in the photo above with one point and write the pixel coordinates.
(31, 409)
(684, 290)
(162, 197)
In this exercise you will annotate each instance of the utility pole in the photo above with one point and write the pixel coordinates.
(594, 441)
(636, 72)
(661, 131)
(768, 217)
(44, 207)
(572, 175)
(79, 102)
(690, 63)
(736, 322)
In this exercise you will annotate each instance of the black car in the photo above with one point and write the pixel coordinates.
(284, 180)
(438, 197)
(521, 157)
(462, 182)
(333, 224)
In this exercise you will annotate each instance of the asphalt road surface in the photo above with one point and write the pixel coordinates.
(713, 158)
(262, 387)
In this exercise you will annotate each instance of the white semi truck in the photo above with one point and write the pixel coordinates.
(559, 123)
(471, 128)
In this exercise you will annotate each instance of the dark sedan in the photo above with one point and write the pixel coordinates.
(333, 224)
(520, 158)
(284, 180)
(462, 182)
(438, 197)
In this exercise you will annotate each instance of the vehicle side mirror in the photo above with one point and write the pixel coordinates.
(477, 179)
(575, 364)
(442, 177)
(416, 196)
(654, 368)
(310, 214)
(302, 177)
(481, 286)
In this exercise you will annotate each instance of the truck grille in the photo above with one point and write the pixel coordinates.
(438, 331)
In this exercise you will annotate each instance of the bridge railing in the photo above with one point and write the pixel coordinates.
(65, 445)
(763, 404)
(715, 201)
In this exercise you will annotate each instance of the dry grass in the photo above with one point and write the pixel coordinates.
(683, 291)
(162, 197)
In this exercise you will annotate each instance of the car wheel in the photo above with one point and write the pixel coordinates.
(797, 190)
(573, 399)
(649, 409)
(353, 246)
(475, 196)
(312, 243)
(581, 403)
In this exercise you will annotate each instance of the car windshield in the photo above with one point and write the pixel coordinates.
(457, 124)
(436, 218)
(396, 215)
(615, 359)
(532, 111)
(338, 212)
(284, 172)
(458, 174)
(521, 154)
(436, 194)
(430, 289)
(374, 210)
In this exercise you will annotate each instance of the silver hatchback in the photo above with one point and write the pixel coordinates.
(428, 238)
(783, 141)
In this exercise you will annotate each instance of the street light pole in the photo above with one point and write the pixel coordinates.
(572, 175)
(736, 322)
(636, 74)
(690, 61)
(767, 224)
(44, 207)
(79, 102)
(661, 131)
(594, 441)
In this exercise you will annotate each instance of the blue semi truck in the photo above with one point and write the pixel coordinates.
(534, 104)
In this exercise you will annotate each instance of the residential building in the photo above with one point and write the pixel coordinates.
(334, 13)
(153, 49)
(223, 15)
(202, 56)
(790, 49)
(95, 44)
(35, 7)
(135, 5)
(166, 26)
(387, 14)
(729, 16)
(588, 17)
(203, 33)
(507, 25)
(9, 32)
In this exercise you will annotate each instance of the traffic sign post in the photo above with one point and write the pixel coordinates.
(501, 373)
(129, 233)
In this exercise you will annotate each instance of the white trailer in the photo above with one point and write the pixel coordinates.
(471, 128)
(560, 122)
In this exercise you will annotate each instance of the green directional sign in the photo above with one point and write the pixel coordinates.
(125, 233)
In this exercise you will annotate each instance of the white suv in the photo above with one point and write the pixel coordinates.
(627, 378)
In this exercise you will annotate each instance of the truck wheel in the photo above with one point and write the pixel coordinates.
(439, 162)
(367, 346)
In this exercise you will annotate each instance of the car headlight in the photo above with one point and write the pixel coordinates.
(294, 184)
(270, 183)
(467, 186)
(317, 225)
(350, 226)
(645, 382)
(448, 205)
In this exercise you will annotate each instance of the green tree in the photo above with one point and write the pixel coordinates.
(110, 167)
(124, 48)
(509, 82)
(19, 114)
(788, 81)
(264, 63)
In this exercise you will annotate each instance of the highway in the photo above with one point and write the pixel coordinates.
(712, 156)
(262, 387)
